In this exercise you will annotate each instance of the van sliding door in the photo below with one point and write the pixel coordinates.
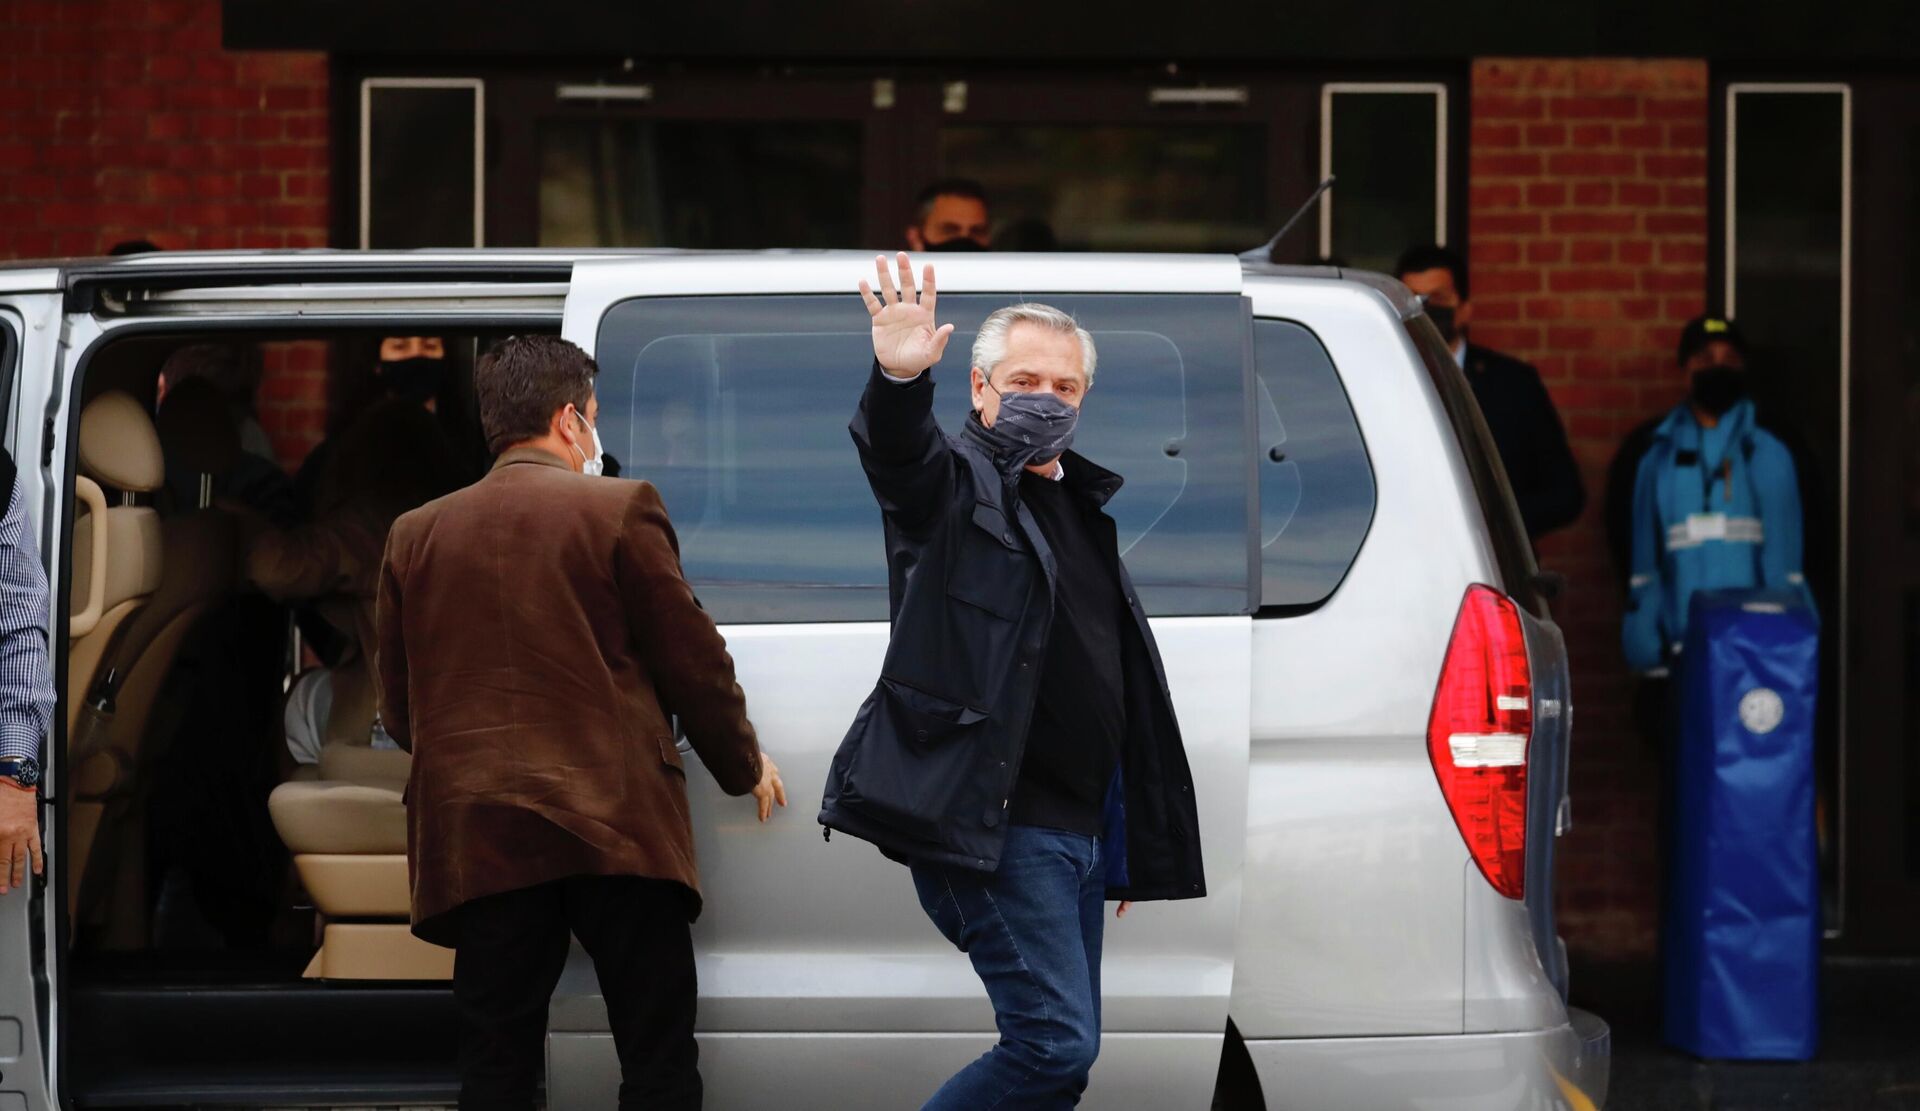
(729, 385)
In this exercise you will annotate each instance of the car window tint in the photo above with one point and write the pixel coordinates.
(737, 409)
(1513, 552)
(1316, 483)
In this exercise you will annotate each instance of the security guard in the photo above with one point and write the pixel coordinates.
(1716, 501)
(1526, 427)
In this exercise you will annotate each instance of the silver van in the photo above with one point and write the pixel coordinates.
(1373, 693)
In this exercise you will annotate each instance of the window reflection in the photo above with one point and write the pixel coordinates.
(669, 183)
(1119, 188)
(737, 409)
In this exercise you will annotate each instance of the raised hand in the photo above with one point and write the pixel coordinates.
(906, 340)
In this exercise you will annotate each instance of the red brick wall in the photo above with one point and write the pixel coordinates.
(1587, 228)
(124, 119)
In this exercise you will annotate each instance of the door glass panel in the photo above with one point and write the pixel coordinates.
(737, 409)
(1786, 159)
(421, 161)
(677, 183)
(1316, 484)
(1200, 187)
(1384, 147)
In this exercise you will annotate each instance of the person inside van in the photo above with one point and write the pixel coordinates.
(1526, 427)
(413, 369)
(252, 475)
(950, 215)
(391, 460)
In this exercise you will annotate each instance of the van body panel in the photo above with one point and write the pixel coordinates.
(1136, 1072)
(1562, 1066)
(1353, 920)
(802, 935)
(781, 945)
(601, 282)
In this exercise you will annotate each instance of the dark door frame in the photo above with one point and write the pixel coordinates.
(1871, 628)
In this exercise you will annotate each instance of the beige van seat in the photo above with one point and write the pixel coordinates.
(348, 835)
(200, 552)
(115, 567)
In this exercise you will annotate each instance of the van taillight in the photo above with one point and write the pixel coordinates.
(1477, 737)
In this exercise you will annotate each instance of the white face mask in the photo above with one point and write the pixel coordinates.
(590, 465)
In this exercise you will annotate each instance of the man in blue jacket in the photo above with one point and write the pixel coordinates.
(1716, 502)
(1020, 751)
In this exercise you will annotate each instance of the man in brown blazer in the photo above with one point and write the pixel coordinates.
(534, 635)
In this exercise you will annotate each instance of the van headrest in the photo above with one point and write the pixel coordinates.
(118, 444)
(196, 429)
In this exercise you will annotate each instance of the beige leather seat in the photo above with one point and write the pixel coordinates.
(347, 831)
(199, 551)
(116, 563)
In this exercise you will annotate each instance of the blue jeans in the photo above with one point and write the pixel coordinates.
(1033, 932)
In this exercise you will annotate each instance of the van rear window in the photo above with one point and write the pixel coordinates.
(1316, 483)
(737, 409)
(1511, 548)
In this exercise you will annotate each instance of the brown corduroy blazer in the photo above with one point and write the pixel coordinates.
(534, 633)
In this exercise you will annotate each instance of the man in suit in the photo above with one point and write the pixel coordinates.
(1526, 427)
(534, 635)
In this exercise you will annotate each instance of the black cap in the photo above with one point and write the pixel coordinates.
(1702, 330)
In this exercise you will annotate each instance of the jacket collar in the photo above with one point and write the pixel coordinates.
(1083, 476)
(541, 456)
(1682, 427)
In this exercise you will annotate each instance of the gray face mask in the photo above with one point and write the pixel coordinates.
(1030, 427)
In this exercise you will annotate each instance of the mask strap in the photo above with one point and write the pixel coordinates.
(575, 443)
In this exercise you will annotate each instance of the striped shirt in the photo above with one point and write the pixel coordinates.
(26, 680)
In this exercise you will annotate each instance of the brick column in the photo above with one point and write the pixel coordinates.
(1588, 234)
(124, 119)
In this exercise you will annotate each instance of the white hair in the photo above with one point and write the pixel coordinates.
(990, 346)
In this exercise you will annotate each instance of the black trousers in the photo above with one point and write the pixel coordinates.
(509, 954)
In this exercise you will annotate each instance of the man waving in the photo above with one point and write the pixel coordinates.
(1020, 751)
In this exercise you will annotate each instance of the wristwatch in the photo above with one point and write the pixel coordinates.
(21, 771)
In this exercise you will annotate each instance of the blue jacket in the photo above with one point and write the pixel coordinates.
(1713, 508)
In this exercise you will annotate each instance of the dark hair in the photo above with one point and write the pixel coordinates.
(1432, 256)
(395, 457)
(234, 369)
(523, 380)
(133, 247)
(946, 187)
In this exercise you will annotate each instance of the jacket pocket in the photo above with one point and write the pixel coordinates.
(991, 565)
(925, 718)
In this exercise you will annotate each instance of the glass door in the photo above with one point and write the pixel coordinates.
(1882, 766)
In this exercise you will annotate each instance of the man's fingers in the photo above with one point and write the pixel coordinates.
(906, 278)
(885, 283)
(1122, 911)
(39, 860)
(940, 335)
(780, 791)
(873, 303)
(926, 290)
(13, 875)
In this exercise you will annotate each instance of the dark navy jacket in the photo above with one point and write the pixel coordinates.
(928, 767)
(1530, 439)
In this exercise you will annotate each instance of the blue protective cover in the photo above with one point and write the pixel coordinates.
(1741, 936)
